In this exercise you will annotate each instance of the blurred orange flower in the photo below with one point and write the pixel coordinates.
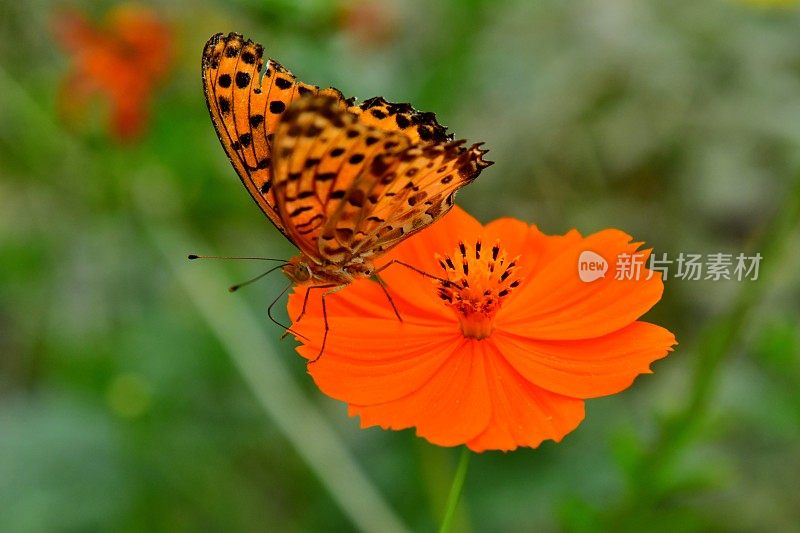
(370, 22)
(502, 350)
(122, 60)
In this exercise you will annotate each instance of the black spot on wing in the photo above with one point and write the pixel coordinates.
(256, 120)
(242, 79)
(224, 105)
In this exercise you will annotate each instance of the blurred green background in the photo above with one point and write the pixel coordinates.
(137, 394)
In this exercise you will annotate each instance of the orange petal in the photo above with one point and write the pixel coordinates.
(544, 247)
(452, 407)
(587, 368)
(522, 413)
(512, 234)
(556, 305)
(368, 361)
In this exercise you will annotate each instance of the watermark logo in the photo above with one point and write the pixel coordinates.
(591, 266)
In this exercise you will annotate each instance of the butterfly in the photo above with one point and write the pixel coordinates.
(343, 182)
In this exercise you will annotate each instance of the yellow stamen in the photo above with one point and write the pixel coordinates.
(477, 282)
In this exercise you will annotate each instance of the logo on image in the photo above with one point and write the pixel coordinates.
(591, 266)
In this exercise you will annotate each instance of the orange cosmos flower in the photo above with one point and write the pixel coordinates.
(502, 350)
(121, 60)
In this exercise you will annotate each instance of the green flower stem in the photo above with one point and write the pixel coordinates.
(455, 490)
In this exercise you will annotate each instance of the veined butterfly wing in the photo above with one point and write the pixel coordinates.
(246, 108)
(326, 166)
(347, 189)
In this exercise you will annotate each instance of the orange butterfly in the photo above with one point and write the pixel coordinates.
(343, 182)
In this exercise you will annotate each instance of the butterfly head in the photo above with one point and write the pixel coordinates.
(298, 270)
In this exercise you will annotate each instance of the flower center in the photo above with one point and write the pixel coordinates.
(474, 285)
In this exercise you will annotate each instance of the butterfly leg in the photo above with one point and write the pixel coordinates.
(274, 321)
(388, 296)
(305, 299)
(325, 319)
(412, 267)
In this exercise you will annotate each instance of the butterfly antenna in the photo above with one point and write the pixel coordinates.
(238, 286)
(192, 257)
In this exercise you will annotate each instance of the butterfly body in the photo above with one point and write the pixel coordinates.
(343, 182)
(304, 272)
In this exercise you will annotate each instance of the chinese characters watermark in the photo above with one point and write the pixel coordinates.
(686, 266)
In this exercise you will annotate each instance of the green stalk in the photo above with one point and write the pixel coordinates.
(455, 490)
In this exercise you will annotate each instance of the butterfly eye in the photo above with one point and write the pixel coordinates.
(303, 272)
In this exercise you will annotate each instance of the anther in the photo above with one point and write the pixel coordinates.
(476, 291)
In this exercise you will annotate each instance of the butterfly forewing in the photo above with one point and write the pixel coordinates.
(246, 108)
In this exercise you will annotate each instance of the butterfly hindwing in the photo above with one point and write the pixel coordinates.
(328, 166)
(422, 191)
(347, 189)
